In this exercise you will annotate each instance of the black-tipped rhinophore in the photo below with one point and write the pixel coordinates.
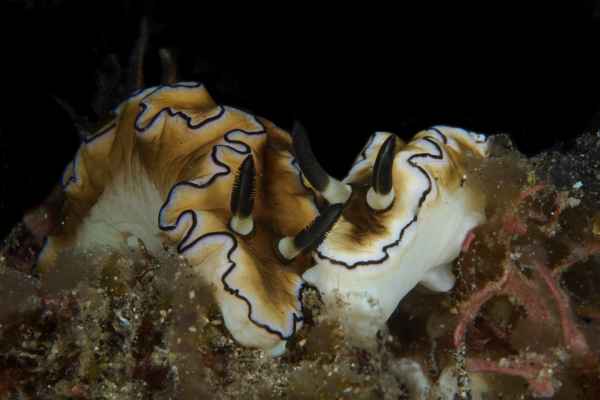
(310, 167)
(169, 67)
(136, 59)
(242, 194)
(311, 236)
(382, 170)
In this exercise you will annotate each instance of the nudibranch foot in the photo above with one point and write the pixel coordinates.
(439, 279)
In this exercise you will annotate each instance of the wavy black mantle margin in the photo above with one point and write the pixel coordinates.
(173, 113)
(104, 130)
(168, 110)
(181, 248)
(422, 199)
(87, 140)
(183, 245)
(235, 292)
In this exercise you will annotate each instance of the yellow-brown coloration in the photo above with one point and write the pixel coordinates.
(163, 172)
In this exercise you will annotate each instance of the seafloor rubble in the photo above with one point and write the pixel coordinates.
(522, 322)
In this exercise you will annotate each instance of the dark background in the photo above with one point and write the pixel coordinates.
(344, 72)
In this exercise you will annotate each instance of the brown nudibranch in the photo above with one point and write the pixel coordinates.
(174, 168)
(255, 215)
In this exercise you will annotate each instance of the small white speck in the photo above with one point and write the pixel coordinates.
(573, 202)
(122, 320)
(577, 185)
(132, 242)
(192, 294)
(192, 329)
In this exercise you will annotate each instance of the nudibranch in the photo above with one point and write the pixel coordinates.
(407, 210)
(219, 185)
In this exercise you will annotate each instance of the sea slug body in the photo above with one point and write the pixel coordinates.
(388, 241)
(173, 168)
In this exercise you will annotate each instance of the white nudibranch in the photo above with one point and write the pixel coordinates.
(410, 211)
(249, 208)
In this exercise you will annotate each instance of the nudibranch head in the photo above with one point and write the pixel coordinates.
(411, 207)
(215, 183)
